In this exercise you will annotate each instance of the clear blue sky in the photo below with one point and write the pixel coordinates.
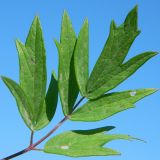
(142, 122)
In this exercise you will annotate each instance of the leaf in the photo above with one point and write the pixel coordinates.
(109, 104)
(67, 84)
(122, 73)
(81, 58)
(23, 103)
(113, 54)
(32, 60)
(50, 104)
(81, 143)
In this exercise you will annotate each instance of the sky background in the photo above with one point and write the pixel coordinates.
(142, 122)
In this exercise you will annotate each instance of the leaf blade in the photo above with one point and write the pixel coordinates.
(81, 58)
(115, 50)
(109, 105)
(50, 104)
(22, 102)
(66, 74)
(122, 73)
(83, 143)
(33, 79)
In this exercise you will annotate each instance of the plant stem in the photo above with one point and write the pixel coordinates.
(31, 138)
(47, 135)
(14, 155)
(37, 149)
(78, 103)
(32, 146)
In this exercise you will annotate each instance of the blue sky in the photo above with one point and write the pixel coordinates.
(142, 122)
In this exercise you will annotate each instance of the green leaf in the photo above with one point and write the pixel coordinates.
(81, 58)
(113, 54)
(109, 104)
(67, 84)
(23, 103)
(121, 73)
(50, 104)
(81, 143)
(26, 68)
(32, 60)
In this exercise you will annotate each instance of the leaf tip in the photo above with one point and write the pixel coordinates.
(113, 25)
(1, 76)
(36, 18)
(138, 139)
(154, 53)
(108, 128)
(65, 12)
(118, 153)
(131, 21)
(86, 22)
(57, 44)
(65, 15)
(153, 90)
(18, 42)
(54, 75)
(36, 22)
(4, 79)
(135, 8)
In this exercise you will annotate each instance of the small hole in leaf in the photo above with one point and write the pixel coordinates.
(133, 93)
(64, 147)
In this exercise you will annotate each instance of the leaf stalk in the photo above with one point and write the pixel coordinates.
(32, 145)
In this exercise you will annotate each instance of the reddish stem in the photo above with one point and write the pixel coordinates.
(32, 146)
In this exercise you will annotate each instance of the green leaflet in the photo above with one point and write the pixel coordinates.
(23, 103)
(81, 58)
(50, 104)
(32, 60)
(109, 104)
(121, 73)
(80, 143)
(115, 50)
(67, 84)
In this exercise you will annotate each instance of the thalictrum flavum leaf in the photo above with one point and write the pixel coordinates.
(109, 104)
(109, 70)
(81, 58)
(50, 104)
(67, 84)
(32, 60)
(24, 105)
(121, 73)
(81, 143)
